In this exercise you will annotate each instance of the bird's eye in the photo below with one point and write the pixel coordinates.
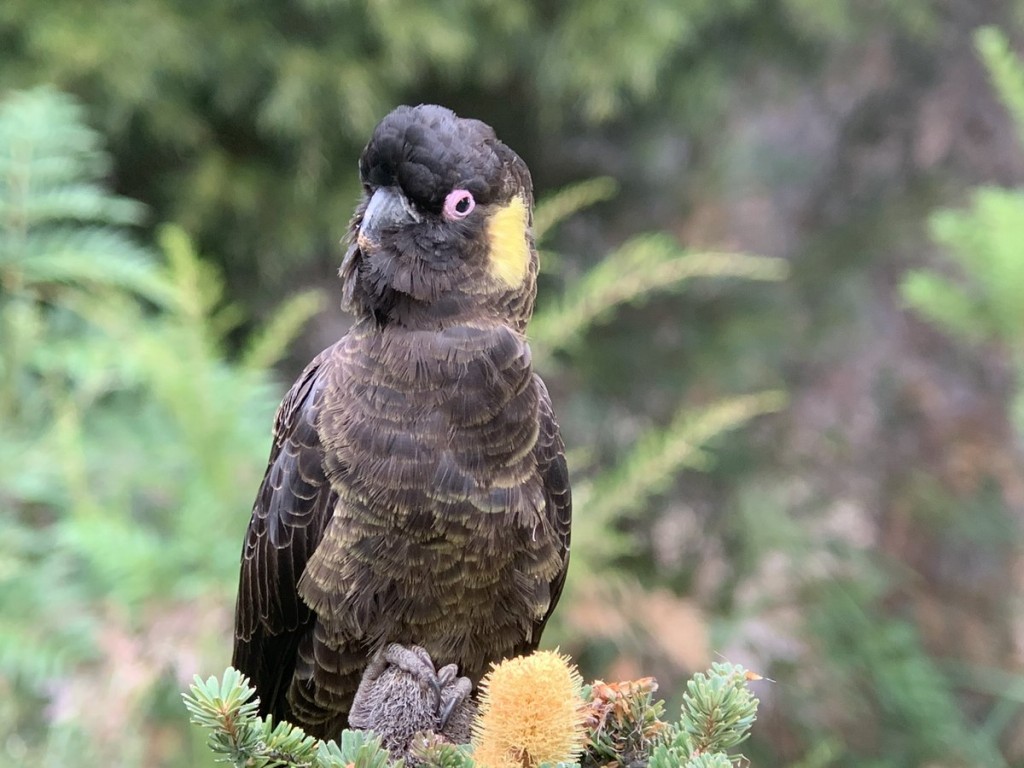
(459, 204)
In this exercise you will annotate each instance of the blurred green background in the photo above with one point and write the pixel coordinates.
(781, 318)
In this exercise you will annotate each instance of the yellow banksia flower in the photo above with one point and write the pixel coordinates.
(531, 712)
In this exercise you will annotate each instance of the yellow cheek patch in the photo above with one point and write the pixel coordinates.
(509, 250)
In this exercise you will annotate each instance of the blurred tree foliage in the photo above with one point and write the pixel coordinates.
(130, 440)
(981, 302)
(868, 666)
(974, 294)
(243, 123)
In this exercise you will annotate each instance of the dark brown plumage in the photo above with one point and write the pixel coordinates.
(417, 491)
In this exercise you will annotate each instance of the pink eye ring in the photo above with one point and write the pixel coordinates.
(459, 204)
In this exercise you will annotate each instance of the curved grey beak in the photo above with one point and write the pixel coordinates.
(388, 209)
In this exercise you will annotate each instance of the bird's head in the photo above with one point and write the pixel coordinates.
(443, 232)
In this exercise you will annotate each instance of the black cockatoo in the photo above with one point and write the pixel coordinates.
(417, 491)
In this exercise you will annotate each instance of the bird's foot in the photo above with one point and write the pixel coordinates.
(454, 691)
(416, 662)
(401, 694)
(447, 688)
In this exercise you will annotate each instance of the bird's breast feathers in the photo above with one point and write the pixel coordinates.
(429, 442)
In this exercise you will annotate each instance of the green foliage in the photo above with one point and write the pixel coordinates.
(358, 749)
(563, 203)
(868, 668)
(228, 709)
(61, 247)
(718, 708)
(627, 724)
(640, 269)
(846, 20)
(605, 55)
(126, 428)
(651, 466)
(432, 752)
(714, 760)
(717, 714)
(980, 300)
(879, 660)
(1005, 70)
(61, 235)
(634, 272)
(261, 114)
(269, 344)
(884, 655)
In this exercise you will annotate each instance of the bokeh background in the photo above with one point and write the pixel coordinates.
(781, 316)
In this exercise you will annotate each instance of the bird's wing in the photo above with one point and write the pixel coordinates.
(550, 453)
(294, 504)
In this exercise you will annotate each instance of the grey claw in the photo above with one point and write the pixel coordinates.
(449, 707)
(435, 688)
